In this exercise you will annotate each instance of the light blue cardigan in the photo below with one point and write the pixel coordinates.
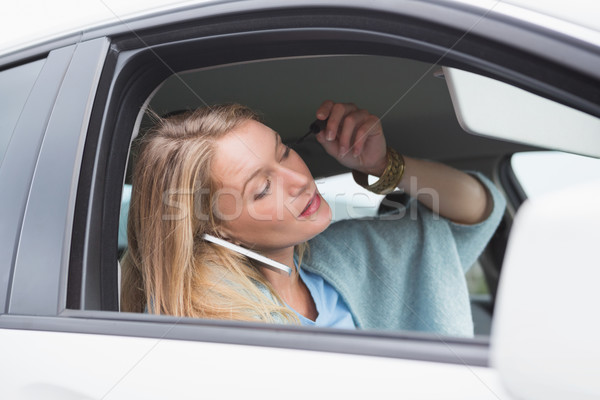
(405, 273)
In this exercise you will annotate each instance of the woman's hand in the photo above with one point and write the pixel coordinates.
(354, 137)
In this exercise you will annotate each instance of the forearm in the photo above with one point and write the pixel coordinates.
(355, 138)
(456, 195)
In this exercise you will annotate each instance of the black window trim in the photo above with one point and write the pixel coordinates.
(515, 195)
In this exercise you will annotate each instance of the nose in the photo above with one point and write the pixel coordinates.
(294, 182)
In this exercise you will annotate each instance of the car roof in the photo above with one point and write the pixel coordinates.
(579, 12)
(29, 23)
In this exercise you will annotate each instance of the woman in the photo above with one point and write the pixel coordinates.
(220, 171)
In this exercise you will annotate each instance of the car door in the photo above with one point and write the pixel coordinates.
(62, 332)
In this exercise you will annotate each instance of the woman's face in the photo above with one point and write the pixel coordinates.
(268, 198)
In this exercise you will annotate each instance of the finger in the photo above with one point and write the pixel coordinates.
(320, 135)
(349, 125)
(331, 147)
(338, 112)
(370, 127)
(324, 109)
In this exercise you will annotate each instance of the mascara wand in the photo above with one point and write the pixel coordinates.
(317, 126)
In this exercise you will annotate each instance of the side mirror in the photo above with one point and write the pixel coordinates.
(545, 341)
(488, 107)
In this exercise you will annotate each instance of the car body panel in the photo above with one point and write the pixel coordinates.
(42, 259)
(70, 365)
(497, 20)
(20, 160)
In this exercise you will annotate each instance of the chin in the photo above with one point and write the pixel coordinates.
(323, 217)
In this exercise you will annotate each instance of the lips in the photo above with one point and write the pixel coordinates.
(312, 206)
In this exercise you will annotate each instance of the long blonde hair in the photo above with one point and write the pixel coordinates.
(168, 268)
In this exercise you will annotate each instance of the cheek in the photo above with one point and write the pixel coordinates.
(229, 206)
(267, 210)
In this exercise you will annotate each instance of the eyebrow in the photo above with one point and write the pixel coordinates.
(277, 141)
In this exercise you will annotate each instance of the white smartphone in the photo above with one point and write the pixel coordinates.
(272, 264)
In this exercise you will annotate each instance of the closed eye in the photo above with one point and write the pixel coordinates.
(286, 153)
(265, 191)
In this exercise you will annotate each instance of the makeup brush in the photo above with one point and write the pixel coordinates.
(317, 126)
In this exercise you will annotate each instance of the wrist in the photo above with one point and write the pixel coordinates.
(389, 178)
(380, 167)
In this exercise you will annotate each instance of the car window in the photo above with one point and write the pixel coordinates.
(542, 172)
(413, 127)
(15, 85)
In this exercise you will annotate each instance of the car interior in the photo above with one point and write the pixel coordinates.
(411, 98)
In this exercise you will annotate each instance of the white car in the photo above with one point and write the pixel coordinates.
(480, 85)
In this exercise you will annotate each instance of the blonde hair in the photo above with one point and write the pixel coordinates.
(168, 268)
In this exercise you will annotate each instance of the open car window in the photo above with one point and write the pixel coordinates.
(411, 97)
